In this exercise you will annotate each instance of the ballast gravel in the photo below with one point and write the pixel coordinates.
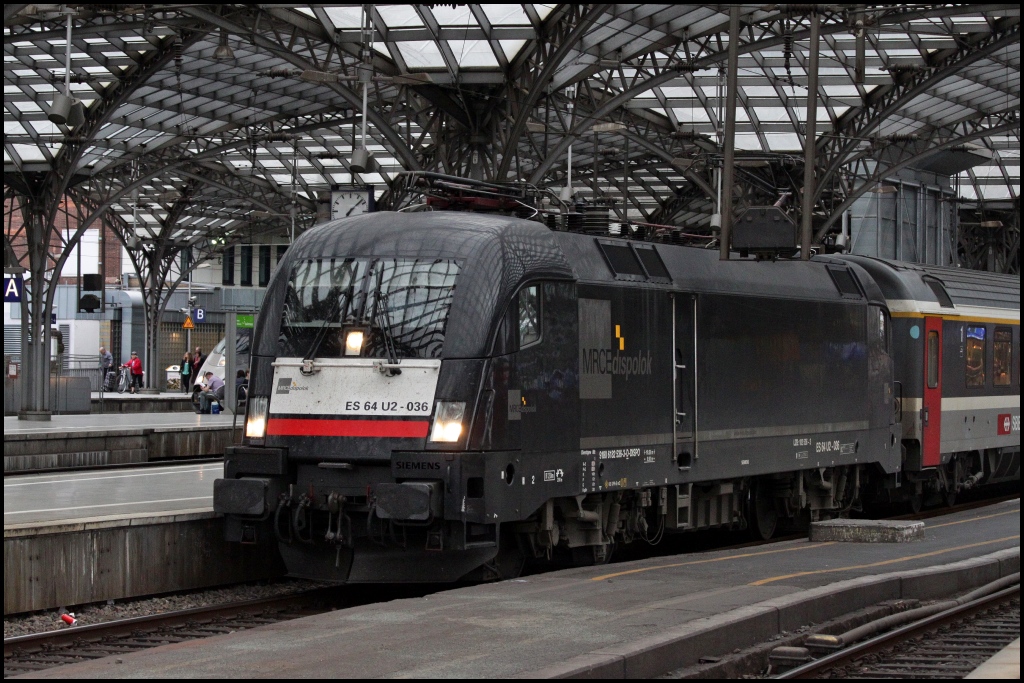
(49, 620)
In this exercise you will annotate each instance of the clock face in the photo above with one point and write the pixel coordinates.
(346, 203)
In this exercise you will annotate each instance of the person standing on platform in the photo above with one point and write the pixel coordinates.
(134, 366)
(187, 373)
(198, 359)
(106, 364)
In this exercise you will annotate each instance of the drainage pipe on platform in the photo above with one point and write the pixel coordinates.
(894, 620)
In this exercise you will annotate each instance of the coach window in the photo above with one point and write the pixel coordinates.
(933, 359)
(529, 316)
(1002, 356)
(975, 356)
(878, 334)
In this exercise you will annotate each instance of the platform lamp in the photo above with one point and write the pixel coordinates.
(362, 160)
(63, 103)
(223, 51)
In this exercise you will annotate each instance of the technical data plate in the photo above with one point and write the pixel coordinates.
(351, 387)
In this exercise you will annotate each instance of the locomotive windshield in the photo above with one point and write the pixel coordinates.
(407, 300)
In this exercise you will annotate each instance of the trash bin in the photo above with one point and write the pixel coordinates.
(174, 377)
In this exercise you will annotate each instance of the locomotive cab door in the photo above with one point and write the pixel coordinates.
(684, 379)
(931, 405)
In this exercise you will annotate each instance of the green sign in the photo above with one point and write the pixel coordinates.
(244, 322)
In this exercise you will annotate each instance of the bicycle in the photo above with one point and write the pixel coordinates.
(124, 379)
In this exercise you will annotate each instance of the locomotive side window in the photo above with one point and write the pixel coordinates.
(529, 316)
(1002, 356)
(623, 261)
(939, 291)
(975, 356)
(933, 359)
(878, 327)
(846, 282)
(648, 255)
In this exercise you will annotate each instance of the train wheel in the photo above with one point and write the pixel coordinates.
(765, 517)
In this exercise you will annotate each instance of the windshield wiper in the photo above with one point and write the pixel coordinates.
(384, 323)
(387, 332)
(321, 333)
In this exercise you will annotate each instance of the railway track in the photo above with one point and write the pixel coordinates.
(949, 644)
(38, 651)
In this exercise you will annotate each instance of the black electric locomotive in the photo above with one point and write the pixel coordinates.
(442, 395)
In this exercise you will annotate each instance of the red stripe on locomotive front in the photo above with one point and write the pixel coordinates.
(372, 428)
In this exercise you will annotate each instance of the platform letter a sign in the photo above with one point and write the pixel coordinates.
(12, 289)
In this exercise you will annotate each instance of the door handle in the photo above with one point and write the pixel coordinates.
(924, 416)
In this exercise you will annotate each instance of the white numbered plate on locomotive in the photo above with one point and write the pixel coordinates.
(353, 386)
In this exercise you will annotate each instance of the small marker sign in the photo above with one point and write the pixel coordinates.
(188, 324)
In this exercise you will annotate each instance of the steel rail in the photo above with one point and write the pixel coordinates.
(16, 646)
(881, 642)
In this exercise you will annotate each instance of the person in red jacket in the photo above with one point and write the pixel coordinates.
(134, 366)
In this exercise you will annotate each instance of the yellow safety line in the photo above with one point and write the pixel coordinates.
(974, 519)
(708, 561)
(897, 560)
(786, 550)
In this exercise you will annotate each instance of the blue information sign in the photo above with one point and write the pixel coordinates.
(13, 287)
(200, 315)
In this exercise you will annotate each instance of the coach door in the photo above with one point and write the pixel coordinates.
(931, 407)
(684, 377)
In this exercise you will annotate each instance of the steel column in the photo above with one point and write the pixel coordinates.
(810, 139)
(729, 152)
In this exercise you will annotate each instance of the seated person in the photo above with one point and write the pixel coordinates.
(213, 391)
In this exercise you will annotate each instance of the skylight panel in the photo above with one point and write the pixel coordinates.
(691, 114)
(460, 15)
(505, 15)
(45, 127)
(783, 142)
(771, 114)
(14, 128)
(29, 152)
(544, 10)
(511, 48)
(346, 17)
(399, 16)
(748, 141)
(423, 54)
(473, 53)
(677, 92)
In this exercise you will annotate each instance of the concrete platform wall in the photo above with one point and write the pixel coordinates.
(121, 403)
(55, 565)
(119, 447)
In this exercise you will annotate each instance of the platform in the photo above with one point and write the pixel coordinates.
(118, 439)
(78, 537)
(1005, 664)
(633, 619)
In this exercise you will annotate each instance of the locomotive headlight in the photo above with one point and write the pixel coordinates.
(354, 343)
(256, 421)
(447, 427)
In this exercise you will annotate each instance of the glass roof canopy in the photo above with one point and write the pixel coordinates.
(186, 141)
